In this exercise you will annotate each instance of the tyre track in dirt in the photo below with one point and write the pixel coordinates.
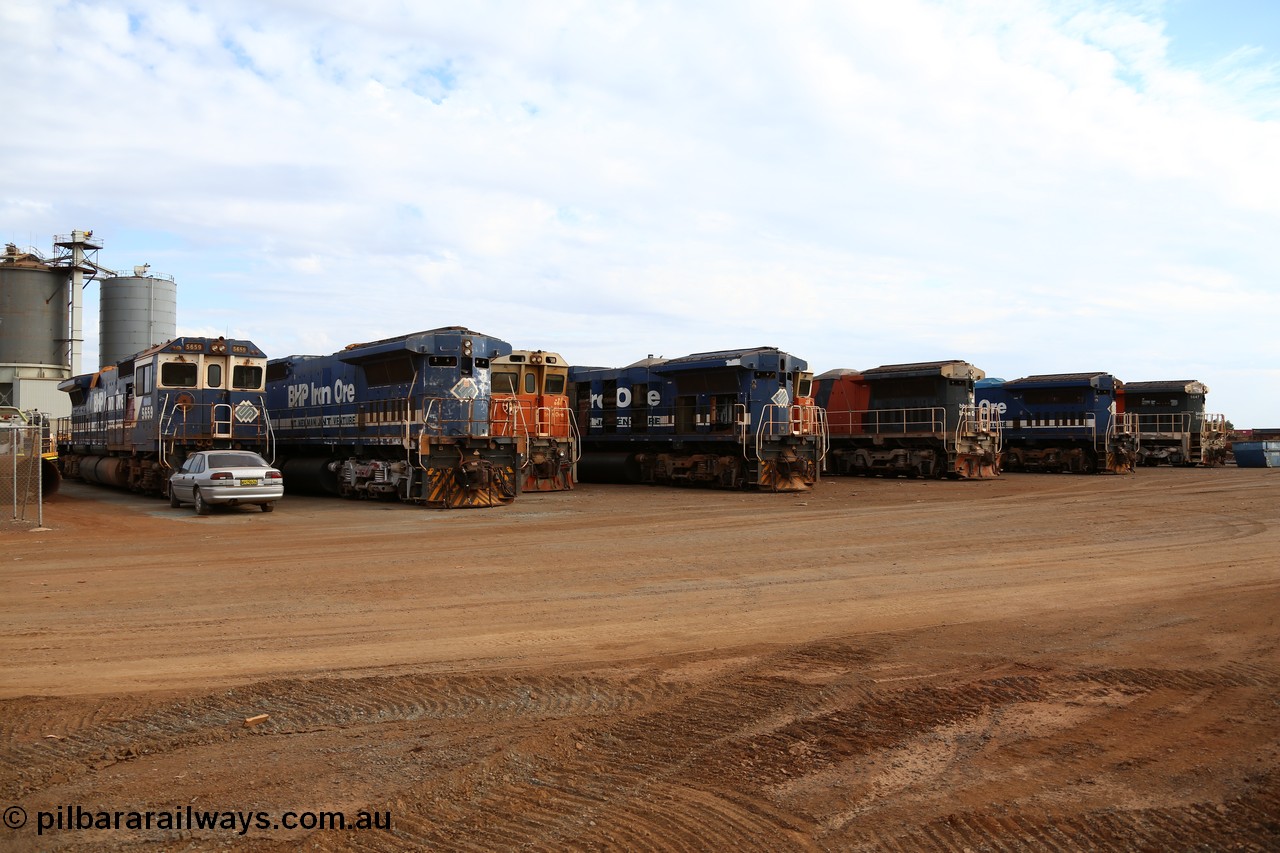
(93, 736)
(668, 759)
(1077, 671)
(615, 789)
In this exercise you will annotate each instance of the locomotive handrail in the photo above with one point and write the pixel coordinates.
(545, 424)
(1124, 423)
(271, 433)
(823, 433)
(1171, 423)
(1213, 424)
(742, 422)
(160, 454)
(575, 434)
(980, 421)
(214, 422)
(914, 419)
(771, 425)
(473, 427)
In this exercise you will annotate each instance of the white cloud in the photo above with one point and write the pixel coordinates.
(1030, 185)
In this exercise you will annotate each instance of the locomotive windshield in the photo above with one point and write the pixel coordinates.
(246, 377)
(504, 381)
(178, 374)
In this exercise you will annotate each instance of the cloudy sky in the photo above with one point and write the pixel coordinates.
(1035, 186)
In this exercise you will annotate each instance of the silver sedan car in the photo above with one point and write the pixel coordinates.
(229, 477)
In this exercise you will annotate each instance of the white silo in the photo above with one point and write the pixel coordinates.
(135, 312)
(35, 332)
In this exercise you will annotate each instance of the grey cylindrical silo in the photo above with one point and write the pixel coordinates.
(33, 314)
(135, 312)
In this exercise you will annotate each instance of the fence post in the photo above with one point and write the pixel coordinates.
(13, 451)
(39, 474)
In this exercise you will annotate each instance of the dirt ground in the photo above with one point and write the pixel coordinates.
(1037, 662)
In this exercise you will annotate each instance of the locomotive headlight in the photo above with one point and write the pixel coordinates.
(466, 347)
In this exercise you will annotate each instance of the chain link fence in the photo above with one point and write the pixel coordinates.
(21, 489)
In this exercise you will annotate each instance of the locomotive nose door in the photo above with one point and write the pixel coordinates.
(217, 379)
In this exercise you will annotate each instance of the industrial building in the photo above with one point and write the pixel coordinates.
(41, 318)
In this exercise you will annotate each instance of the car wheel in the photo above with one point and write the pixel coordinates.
(173, 497)
(202, 507)
(268, 507)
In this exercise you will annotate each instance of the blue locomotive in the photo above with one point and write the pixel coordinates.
(134, 422)
(917, 420)
(1068, 422)
(1173, 426)
(732, 419)
(406, 417)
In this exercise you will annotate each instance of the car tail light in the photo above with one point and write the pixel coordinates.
(274, 475)
(221, 475)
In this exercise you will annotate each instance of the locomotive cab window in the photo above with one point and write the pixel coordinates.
(177, 374)
(530, 383)
(213, 376)
(392, 371)
(504, 381)
(555, 383)
(246, 377)
(144, 379)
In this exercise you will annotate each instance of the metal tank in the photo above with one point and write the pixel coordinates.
(135, 312)
(33, 310)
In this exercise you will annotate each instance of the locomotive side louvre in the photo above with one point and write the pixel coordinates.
(1173, 426)
(531, 405)
(406, 417)
(1065, 423)
(134, 422)
(730, 419)
(909, 419)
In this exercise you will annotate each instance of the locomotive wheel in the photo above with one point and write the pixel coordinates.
(202, 508)
(173, 498)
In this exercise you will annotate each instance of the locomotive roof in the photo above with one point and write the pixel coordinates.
(651, 361)
(952, 369)
(1176, 386)
(746, 358)
(420, 342)
(461, 330)
(523, 356)
(836, 373)
(731, 358)
(1060, 379)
